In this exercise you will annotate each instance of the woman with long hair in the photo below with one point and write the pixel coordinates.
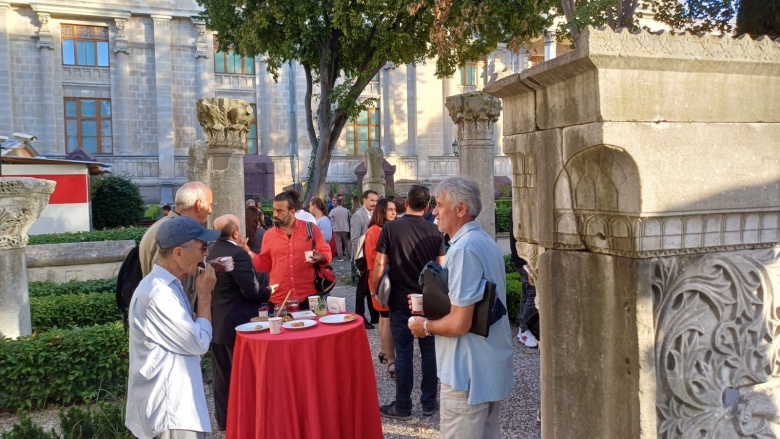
(254, 228)
(383, 212)
(318, 208)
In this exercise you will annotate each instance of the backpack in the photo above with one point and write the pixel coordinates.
(130, 275)
(360, 256)
(324, 277)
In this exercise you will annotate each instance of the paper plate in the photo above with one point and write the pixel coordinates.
(337, 319)
(306, 324)
(253, 327)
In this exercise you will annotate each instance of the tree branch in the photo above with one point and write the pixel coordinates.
(307, 106)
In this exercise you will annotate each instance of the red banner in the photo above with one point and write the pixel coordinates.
(71, 188)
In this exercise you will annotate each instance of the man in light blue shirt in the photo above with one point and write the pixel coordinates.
(165, 395)
(475, 372)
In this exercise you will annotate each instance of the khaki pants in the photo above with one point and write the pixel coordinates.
(181, 434)
(459, 420)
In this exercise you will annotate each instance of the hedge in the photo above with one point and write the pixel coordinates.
(134, 233)
(514, 296)
(68, 310)
(503, 212)
(63, 366)
(48, 288)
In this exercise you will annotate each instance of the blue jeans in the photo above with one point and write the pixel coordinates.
(404, 363)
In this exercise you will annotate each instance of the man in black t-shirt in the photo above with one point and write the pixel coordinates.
(406, 245)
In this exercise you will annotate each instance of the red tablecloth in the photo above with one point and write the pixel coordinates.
(314, 383)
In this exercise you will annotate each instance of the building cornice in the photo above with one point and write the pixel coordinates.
(83, 11)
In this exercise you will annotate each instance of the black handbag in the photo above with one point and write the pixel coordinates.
(436, 300)
(324, 277)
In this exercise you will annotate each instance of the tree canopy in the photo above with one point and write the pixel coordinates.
(342, 44)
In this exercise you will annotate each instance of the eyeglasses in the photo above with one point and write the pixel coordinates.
(204, 248)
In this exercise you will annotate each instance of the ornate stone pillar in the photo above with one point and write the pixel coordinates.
(204, 67)
(476, 113)
(45, 45)
(7, 111)
(164, 95)
(123, 145)
(550, 45)
(660, 281)
(21, 202)
(225, 123)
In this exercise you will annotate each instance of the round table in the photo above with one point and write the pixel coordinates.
(313, 383)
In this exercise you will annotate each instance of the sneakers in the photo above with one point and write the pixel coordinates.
(390, 411)
(528, 339)
(430, 411)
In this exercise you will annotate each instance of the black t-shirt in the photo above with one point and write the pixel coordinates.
(409, 243)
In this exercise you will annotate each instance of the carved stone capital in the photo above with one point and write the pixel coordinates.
(21, 202)
(201, 46)
(45, 40)
(225, 121)
(161, 21)
(475, 114)
(120, 41)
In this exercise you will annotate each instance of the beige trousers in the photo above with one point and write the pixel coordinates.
(459, 420)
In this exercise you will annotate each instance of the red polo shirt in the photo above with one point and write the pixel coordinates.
(283, 258)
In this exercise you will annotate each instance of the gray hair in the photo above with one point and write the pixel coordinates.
(461, 190)
(190, 193)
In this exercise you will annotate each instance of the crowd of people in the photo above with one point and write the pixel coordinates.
(186, 306)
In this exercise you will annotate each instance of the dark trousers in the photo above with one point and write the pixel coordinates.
(221, 362)
(528, 307)
(404, 364)
(363, 295)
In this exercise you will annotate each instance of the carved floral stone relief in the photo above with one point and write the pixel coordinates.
(225, 121)
(717, 328)
(21, 202)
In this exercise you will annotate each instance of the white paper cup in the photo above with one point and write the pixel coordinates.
(309, 255)
(417, 303)
(227, 261)
(276, 325)
(313, 303)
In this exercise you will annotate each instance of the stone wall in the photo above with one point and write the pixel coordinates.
(646, 180)
(81, 261)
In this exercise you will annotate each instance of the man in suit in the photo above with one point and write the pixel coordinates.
(237, 295)
(357, 228)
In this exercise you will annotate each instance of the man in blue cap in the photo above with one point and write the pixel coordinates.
(165, 395)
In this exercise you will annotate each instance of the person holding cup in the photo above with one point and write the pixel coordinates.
(238, 293)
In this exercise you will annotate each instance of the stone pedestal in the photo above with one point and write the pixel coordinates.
(646, 182)
(375, 174)
(225, 123)
(476, 114)
(21, 202)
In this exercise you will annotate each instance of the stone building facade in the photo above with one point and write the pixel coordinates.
(121, 79)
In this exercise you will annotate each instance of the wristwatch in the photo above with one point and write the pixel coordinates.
(425, 328)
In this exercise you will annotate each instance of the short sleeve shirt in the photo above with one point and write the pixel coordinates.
(470, 363)
(409, 243)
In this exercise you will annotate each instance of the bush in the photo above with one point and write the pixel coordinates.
(509, 267)
(25, 429)
(152, 212)
(103, 420)
(62, 366)
(503, 212)
(514, 297)
(116, 202)
(135, 233)
(68, 310)
(48, 288)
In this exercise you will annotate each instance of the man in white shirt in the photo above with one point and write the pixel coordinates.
(165, 395)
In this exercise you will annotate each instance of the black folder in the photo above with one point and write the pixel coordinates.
(436, 303)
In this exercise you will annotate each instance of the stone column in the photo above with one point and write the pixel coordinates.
(550, 45)
(7, 112)
(647, 167)
(204, 67)
(476, 113)
(122, 143)
(375, 173)
(164, 95)
(21, 202)
(225, 123)
(45, 45)
(388, 130)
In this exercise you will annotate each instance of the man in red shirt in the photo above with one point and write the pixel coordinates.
(283, 253)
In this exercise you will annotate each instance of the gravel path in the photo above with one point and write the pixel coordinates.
(518, 412)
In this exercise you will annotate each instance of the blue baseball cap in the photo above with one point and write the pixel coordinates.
(182, 229)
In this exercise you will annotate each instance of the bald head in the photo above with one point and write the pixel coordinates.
(229, 225)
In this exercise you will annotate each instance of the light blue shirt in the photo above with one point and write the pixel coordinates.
(326, 228)
(165, 386)
(470, 363)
